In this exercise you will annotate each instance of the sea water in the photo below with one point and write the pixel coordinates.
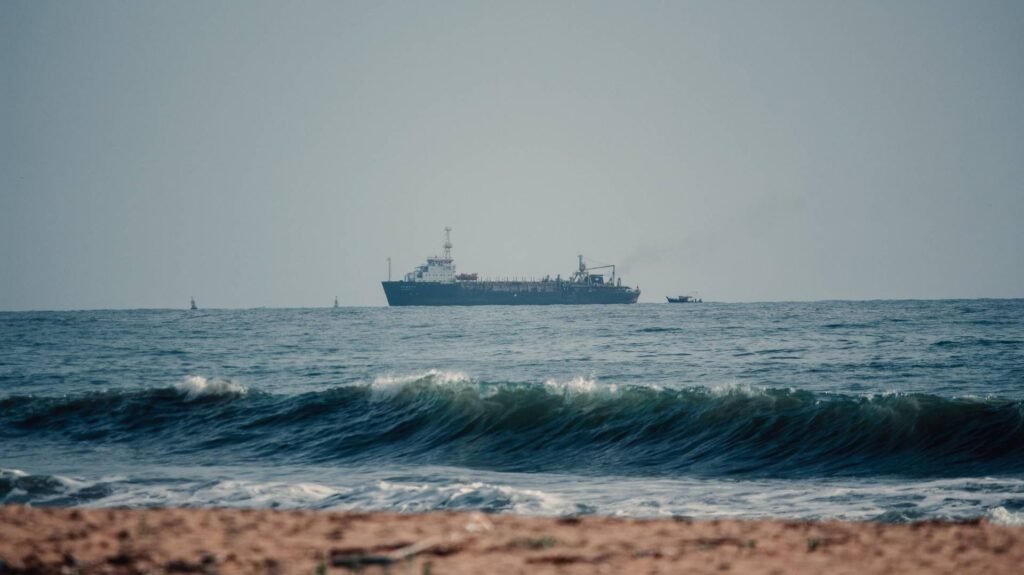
(885, 410)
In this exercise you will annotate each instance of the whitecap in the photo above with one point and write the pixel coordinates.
(735, 389)
(12, 473)
(386, 386)
(196, 386)
(580, 385)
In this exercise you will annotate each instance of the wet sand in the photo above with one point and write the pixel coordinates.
(73, 540)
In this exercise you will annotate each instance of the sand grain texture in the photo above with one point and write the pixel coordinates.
(226, 541)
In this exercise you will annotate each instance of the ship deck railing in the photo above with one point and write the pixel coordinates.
(514, 280)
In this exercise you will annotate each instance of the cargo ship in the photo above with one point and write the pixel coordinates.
(436, 283)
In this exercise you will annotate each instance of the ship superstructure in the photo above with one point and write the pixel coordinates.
(437, 283)
(438, 269)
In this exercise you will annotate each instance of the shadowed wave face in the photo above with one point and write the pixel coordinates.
(578, 426)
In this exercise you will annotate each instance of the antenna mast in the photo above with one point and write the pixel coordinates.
(447, 244)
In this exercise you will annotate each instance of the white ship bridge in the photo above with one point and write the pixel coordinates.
(439, 269)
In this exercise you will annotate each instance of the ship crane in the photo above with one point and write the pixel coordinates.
(583, 273)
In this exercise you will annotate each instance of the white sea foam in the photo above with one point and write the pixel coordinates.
(22, 487)
(736, 389)
(196, 386)
(884, 394)
(12, 473)
(580, 385)
(375, 495)
(414, 497)
(542, 494)
(386, 386)
(223, 493)
(264, 494)
(1001, 516)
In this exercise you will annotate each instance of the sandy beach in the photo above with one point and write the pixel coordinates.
(75, 540)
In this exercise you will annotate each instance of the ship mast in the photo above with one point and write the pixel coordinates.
(447, 244)
(583, 274)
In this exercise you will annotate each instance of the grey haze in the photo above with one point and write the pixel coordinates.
(275, 153)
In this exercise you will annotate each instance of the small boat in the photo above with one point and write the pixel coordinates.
(193, 306)
(335, 302)
(684, 299)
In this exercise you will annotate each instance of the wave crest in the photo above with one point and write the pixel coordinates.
(579, 425)
(387, 386)
(197, 386)
(580, 385)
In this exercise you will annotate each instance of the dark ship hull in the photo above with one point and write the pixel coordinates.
(553, 292)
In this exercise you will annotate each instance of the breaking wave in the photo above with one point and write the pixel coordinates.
(196, 386)
(579, 425)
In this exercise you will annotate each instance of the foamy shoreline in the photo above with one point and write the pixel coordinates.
(218, 540)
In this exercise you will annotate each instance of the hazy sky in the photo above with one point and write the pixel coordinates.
(276, 153)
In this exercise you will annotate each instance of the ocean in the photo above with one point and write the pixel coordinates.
(881, 410)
